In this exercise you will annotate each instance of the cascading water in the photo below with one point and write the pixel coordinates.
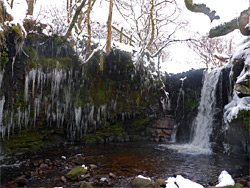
(203, 123)
(181, 93)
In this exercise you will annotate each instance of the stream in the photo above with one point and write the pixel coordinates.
(129, 159)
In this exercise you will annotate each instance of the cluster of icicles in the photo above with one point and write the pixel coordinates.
(52, 92)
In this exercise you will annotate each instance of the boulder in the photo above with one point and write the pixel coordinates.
(77, 170)
(243, 21)
(243, 90)
(85, 184)
(141, 183)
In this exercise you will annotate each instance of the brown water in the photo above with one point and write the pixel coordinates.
(132, 159)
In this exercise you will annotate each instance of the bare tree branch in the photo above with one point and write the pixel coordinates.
(78, 11)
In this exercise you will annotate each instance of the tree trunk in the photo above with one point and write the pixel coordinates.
(78, 11)
(11, 4)
(109, 27)
(89, 29)
(68, 10)
(152, 27)
(30, 6)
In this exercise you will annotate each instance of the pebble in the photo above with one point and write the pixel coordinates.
(92, 166)
(112, 175)
(63, 179)
(43, 166)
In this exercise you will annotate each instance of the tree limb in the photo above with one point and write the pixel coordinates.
(72, 24)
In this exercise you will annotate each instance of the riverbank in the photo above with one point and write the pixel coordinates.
(115, 165)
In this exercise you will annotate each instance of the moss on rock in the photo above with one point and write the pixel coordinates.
(31, 139)
(76, 171)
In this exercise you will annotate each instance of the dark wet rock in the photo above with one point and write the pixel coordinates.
(63, 179)
(43, 166)
(41, 161)
(21, 181)
(85, 184)
(85, 176)
(47, 161)
(92, 166)
(35, 163)
(100, 176)
(141, 183)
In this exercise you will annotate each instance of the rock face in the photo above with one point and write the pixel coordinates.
(161, 130)
(185, 91)
(243, 21)
(48, 83)
(239, 122)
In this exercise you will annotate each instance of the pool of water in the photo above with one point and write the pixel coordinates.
(131, 159)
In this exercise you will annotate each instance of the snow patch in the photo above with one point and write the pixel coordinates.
(237, 104)
(225, 179)
(142, 177)
(180, 182)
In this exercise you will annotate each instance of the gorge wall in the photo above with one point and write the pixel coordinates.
(44, 87)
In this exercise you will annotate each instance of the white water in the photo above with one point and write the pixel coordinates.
(181, 93)
(203, 123)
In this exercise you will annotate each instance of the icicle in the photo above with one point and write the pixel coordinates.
(26, 88)
(26, 117)
(78, 113)
(32, 76)
(12, 67)
(19, 116)
(1, 78)
(2, 128)
(91, 114)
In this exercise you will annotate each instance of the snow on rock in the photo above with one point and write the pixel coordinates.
(180, 182)
(142, 177)
(18, 13)
(225, 179)
(85, 167)
(237, 104)
(248, 25)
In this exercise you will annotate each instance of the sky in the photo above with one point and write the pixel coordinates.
(181, 57)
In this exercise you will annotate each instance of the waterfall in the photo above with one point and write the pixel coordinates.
(203, 123)
(181, 93)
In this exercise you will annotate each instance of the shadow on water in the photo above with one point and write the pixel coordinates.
(130, 159)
